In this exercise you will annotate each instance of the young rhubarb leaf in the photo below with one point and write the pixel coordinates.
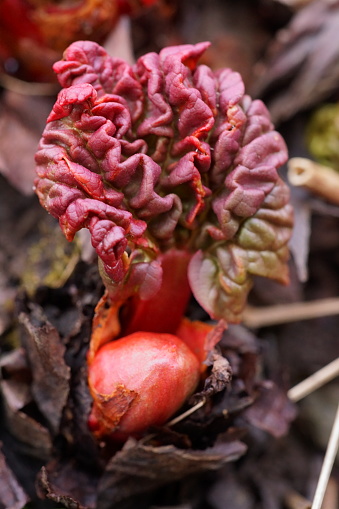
(166, 154)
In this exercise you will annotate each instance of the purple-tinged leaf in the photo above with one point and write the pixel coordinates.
(166, 154)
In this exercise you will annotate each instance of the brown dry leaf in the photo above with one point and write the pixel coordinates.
(219, 378)
(51, 375)
(191, 449)
(84, 443)
(138, 468)
(55, 335)
(261, 402)
(221, 373)
(67, 484)
(301, 68)
(225, 397)
(34, 438)
(12, 496)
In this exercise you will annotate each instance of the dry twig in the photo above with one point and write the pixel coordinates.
(315, 381)
(331, 452)
(188, 412)
(298, 392)
(320, 180)
(28, 88)
(284, 313)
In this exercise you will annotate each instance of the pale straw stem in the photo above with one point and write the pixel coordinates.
(188, 412)
(331, 452)
(256, 317)
(315, 381)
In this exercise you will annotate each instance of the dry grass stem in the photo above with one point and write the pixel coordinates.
(320, 180)
(315, 381)
(294, 500)
(284, 313)
(188, 412)
(28, 88)
(331, 452)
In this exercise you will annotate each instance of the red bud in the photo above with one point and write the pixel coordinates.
(138, 381)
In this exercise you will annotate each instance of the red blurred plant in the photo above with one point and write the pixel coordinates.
(34, 33)
(173, 170)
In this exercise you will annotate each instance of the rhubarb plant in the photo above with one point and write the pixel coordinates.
(173, 170)
(33, 34)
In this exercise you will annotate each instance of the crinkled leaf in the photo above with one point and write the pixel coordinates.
(134, 154)
(220, 277)
(206, 279)
(219, 377)
(221, 374)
